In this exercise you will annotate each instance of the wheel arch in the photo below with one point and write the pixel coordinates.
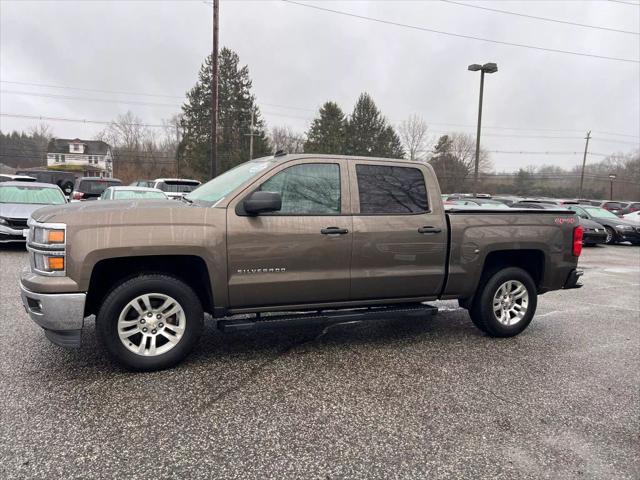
(108, 273)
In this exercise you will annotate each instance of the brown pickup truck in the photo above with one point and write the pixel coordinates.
(331, 238)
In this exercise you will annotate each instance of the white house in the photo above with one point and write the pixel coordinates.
(91, 157)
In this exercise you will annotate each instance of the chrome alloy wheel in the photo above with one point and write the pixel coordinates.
(510, 302)
(151, 324)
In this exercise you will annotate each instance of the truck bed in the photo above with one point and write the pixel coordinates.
(517, 235)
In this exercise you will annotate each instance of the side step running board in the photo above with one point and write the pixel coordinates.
(327, 317)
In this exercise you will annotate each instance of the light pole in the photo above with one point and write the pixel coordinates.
(612, 177)
(486, 68)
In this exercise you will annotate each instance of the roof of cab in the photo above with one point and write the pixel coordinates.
(323, 156)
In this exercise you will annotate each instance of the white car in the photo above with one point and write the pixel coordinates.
(133, 193)
(176, 188)
(633, 217)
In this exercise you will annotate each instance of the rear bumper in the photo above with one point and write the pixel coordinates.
(60, 314)
(572, 279)
(593, 237)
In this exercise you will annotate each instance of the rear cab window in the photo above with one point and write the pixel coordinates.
(96, 186)
(177, 186)
(391, 190)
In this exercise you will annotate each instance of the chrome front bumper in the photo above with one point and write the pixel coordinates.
(61, 315)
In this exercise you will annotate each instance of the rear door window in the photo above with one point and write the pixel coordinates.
(385, 190)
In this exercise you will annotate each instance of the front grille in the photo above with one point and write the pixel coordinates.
(17, 222)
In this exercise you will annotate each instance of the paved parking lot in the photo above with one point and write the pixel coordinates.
(432, 398)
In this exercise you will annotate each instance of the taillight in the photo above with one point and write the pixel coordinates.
(77, 195)
(578, 233)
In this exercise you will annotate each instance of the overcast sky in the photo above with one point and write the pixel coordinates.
(300, 57)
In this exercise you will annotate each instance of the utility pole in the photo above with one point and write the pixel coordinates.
(214, 91)
(177, 150)
(584, 161)
(251, 134)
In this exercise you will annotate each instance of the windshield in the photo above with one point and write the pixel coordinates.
(599, 212)
(219, 187)
(31, 195)
(136, 194)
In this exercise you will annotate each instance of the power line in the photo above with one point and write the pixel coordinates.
(119, 92)
(626, 3)
(459, 35)
(546, 19)
(127, 102)
(75, 120)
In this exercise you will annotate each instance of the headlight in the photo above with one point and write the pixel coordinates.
(3, 221)
(48, 262)
(624, 227)
(48, 236)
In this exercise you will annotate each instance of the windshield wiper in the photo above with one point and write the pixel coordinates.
(188, 200)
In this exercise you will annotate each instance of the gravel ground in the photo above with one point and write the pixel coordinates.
(426, 398)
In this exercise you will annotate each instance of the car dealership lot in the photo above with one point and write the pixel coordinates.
(395, 398)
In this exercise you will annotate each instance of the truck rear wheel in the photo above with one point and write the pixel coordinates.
(505, 303)
(150, 322)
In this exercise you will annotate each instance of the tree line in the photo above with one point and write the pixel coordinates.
(183, 146)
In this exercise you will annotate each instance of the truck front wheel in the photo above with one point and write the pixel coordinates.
(505, 303)
(150, 322)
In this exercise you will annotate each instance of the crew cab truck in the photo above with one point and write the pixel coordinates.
(334, 236)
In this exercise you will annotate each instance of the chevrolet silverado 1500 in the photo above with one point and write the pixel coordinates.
(336, 237)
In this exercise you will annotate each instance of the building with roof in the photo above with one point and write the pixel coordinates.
(88, 158)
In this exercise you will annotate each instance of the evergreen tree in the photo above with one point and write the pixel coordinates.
(368, 132)
(235, 103)
(327, 132)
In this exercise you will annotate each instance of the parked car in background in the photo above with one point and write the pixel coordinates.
(16, 178)
(133, 193)
(618, 229)
(508, 201)
(142, 183)
(584, 201)
(65, 180)
(477, 203)
(614, 207)
(594, 233)
(18, 200)
(633, 217)
(175, 187)
(631, 207)
(537, 205)
(90, 188)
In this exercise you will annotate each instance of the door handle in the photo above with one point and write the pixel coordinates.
(429, 229)
(334, 231)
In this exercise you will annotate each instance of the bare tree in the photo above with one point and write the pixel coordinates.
(138, 151)
(463, 147)
(453, 160)
(41, 134)
(413, 134)
(284, 138)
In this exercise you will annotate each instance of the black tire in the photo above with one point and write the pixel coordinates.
(481, 311)
(611, 236)
(119, 297)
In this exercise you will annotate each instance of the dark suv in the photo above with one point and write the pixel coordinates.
(90, 188)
